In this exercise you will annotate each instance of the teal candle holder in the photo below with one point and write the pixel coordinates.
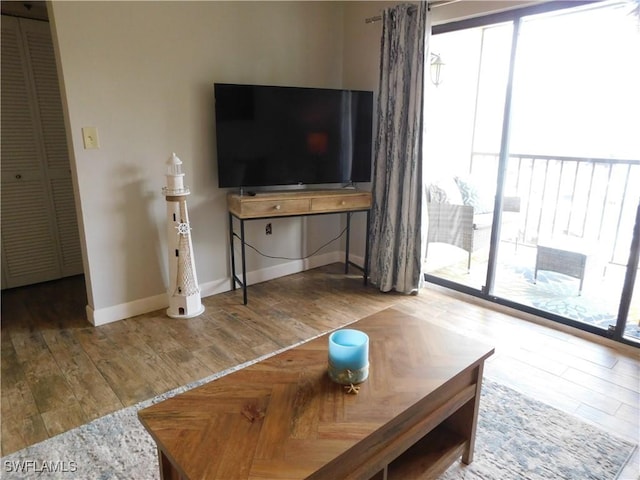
(348, 356)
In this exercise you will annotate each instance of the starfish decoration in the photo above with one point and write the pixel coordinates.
(351, 388)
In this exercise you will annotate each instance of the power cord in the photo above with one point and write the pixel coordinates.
(299, 258)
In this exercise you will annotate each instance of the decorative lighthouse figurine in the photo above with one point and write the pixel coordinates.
(184, 292)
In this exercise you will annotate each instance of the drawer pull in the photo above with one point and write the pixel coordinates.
(18, 176)
(343, 202)
(277, 207)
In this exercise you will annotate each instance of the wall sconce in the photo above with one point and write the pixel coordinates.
(435, 66)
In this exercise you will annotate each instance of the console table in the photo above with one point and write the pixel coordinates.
(297, 203)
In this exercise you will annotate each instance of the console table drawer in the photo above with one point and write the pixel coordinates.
(307, 202)
(341, 202)
(275, 207)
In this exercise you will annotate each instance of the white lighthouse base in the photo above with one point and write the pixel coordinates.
(171, 314)
(185, 307)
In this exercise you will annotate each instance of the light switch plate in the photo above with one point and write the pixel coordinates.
(90, 137)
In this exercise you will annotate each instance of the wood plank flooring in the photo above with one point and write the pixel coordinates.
(59, 372)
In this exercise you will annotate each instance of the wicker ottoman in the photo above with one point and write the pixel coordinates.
(562, 256)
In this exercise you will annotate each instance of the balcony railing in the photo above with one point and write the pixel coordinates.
(590, 199)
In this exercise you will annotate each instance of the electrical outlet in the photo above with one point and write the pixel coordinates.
(267, 229)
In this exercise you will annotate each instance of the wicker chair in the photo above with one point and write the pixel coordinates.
(458, 225)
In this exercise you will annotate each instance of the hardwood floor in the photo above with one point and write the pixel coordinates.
(59, 372)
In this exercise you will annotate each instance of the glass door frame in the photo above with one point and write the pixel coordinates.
(629, 282)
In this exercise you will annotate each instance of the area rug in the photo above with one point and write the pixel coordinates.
(518, 438)
(551, 292)
(557, 293)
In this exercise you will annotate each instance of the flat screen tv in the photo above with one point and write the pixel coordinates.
(270, 136)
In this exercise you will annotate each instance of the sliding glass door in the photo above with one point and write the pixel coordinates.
(460, 119)
(544, 149)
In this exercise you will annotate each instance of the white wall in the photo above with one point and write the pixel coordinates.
(143, 74)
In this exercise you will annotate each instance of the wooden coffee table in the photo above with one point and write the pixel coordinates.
(282, 418)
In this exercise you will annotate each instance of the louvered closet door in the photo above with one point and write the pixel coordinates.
(40, 239)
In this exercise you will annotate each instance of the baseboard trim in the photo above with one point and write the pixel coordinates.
(103, 316)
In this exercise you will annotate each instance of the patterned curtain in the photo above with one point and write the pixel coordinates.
(397, 241)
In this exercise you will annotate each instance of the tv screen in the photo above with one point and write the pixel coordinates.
(269, 136)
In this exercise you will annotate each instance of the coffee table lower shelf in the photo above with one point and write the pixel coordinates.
(451, 433)
(428, 458)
